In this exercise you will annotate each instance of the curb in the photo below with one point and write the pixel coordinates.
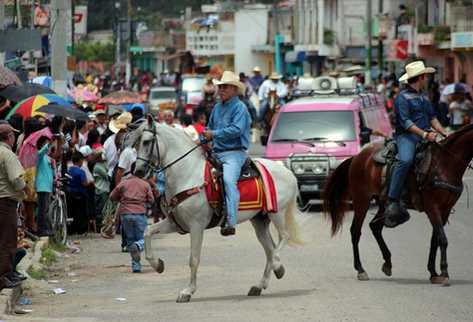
(9, 297)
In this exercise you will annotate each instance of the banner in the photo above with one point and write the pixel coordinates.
(80, 20)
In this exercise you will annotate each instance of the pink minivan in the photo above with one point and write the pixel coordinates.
(313, 135)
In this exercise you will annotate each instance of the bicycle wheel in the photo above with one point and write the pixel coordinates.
(60, 223)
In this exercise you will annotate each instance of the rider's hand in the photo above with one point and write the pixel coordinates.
(208, 135)
(431, 136)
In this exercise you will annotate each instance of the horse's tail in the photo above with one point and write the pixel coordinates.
(291, 224)
(336, 196)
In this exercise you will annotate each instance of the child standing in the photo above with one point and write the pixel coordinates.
(44, 185)
(77, 196)
(133, 193)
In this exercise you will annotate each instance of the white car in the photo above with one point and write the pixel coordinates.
(162, 97)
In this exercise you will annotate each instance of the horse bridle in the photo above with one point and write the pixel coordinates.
(148, 163)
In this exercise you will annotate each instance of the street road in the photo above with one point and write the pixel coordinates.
(320, 283)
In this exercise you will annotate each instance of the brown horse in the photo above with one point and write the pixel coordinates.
(359, 179)
(271, 112)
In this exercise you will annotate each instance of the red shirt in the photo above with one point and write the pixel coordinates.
(199, 127)
(132, 193)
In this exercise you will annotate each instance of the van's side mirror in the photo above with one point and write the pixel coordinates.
(264, 140)
(365, 136)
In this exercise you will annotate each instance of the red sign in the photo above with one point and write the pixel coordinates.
(401, 49)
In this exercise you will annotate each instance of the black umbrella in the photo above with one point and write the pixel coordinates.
(17, 93)
(64, 111)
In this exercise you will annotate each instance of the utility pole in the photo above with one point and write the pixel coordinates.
(59, 10)
(129, 42)
(368, 49)
(2, 23)
(380, 40)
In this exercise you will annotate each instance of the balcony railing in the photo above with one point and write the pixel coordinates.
(461, 18)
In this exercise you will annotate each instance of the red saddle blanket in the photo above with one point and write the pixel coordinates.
(255, 193)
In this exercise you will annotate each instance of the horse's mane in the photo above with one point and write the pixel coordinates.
(456, 135)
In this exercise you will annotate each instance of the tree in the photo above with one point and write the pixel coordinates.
(97, 52)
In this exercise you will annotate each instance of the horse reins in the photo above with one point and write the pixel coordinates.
(155, 142)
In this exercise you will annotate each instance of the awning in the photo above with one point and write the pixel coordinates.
(295, 57)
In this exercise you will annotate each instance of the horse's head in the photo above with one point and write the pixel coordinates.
(149, 149)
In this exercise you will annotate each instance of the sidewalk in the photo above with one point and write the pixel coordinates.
(10, 297)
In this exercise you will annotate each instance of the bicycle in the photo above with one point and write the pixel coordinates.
(57, 212)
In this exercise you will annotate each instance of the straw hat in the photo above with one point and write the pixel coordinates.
(415, 69)
(229, 78)
(275, 76)
(257, 69)
(121, 122)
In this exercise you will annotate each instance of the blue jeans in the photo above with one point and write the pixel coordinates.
(406, 145)
(134, 226)
(232, 161)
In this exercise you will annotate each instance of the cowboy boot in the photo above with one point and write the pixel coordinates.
(395, 214)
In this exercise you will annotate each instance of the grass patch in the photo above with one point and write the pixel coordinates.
(36, 273)
(48, 257)
(58, 247)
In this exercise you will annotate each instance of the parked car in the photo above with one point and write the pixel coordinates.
(191, 92)
(313, 135)
(162, 98)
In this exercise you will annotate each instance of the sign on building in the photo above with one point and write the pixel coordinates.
(462, 39)
(80, 20)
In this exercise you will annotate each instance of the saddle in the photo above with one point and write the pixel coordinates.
(419, 174)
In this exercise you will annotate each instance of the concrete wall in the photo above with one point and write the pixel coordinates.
(251, 28)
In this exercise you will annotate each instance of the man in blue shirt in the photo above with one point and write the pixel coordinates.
(415, 119)
(257, 79)
(229, 128)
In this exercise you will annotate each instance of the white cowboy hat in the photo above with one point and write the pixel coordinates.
(229, 78)
(257, 69)
(275, 76)
(415, 69)
(121, 122)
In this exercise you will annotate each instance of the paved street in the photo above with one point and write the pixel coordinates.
(319, 285)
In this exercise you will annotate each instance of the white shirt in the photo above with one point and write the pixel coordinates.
(280, 87)
(127, 158)
(111, 154)
(459, 110)
(101, 128)
(191, 132)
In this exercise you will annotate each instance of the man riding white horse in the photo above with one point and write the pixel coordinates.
(229, 129)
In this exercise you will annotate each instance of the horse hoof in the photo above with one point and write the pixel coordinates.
(160, 267)
(280, 272)
(363, 276)
(183, 298)
(387, 269)
(446, 282)
(254, 291)
(437, 279)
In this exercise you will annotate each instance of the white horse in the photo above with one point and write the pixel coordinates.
(159, 145)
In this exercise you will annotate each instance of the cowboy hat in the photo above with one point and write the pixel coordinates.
(415, 69)
(229, 78)
(275, 76)
(121, 122)
(257, 69)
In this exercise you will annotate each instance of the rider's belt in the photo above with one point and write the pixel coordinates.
(227, 150)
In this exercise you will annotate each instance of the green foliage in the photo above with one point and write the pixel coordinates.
(424, 29)
(48, 257)
(329, 37)
(96, 52)
(441, 33)
(36, 273)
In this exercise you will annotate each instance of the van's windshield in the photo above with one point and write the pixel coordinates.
(305, 126)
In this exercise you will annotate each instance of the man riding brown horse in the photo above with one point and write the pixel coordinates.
(414, 122)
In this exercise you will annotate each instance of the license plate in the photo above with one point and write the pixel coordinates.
(309, 187)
